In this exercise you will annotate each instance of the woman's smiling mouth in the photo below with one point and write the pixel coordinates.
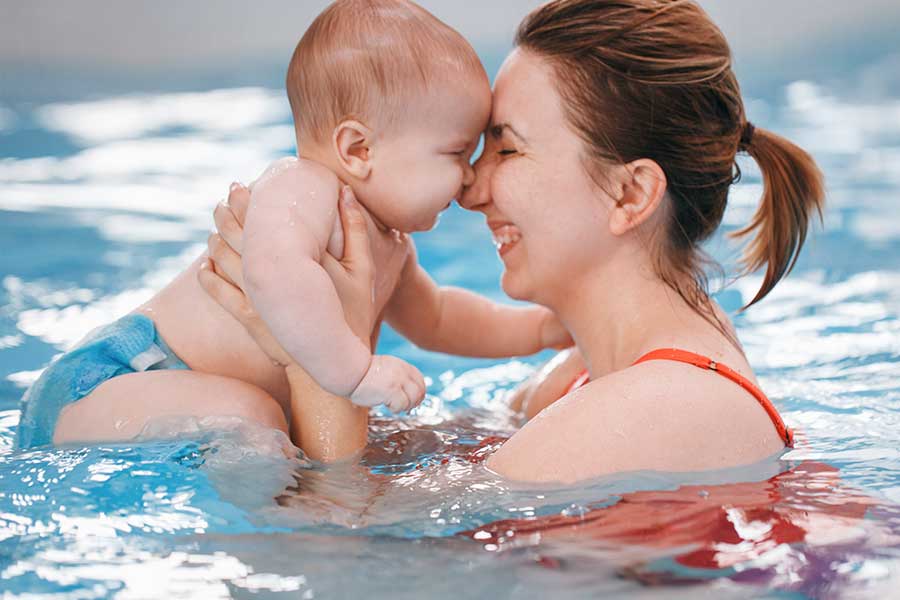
(505, 236)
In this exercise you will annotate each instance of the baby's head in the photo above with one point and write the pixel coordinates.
(393, 100)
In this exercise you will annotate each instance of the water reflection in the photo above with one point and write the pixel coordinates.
(783, 533)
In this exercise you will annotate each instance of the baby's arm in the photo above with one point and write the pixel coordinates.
(457, 321)
(292, 213)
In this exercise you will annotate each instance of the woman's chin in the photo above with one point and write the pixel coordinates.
(514, 288)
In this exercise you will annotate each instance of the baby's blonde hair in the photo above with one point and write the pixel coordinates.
(367, 60)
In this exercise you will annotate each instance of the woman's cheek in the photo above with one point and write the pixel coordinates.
(500, 189)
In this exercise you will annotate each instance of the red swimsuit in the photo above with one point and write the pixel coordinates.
(707, 363)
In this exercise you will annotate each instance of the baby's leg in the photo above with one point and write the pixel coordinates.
(121, 407)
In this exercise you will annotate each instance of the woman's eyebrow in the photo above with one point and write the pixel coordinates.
(498, 128)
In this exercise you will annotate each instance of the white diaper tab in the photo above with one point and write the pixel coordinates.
(148, 358)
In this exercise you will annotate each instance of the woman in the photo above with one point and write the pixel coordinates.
(608, 161)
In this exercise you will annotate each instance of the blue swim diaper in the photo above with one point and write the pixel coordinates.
(129, 345)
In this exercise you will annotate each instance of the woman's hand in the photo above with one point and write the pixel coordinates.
(353, 275)
(222, 276)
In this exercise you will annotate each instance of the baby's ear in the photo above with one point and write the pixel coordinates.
(352, 143)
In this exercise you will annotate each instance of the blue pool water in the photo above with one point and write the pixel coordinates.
(103, 200)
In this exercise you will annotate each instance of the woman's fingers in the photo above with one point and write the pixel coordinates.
(233, 300)
(227, 295)
(357, 251)
(230, 215)
(239, 201)
(226, 261)
(228, 226)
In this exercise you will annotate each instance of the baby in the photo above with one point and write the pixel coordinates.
(387, 100)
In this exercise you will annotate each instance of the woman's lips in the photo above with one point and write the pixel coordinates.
(505, 237)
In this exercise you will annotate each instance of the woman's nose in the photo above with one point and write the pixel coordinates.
(468, 174)
(476, 188)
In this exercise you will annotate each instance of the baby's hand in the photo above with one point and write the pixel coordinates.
(554, 334)
(392, 382)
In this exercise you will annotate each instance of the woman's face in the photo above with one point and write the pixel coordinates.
(547, 215)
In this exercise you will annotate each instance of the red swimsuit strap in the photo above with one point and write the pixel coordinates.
(707, 363)
(704, 362)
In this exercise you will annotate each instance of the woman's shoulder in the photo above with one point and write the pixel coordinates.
(659, 415)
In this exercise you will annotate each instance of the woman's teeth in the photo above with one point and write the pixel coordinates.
(506, 236)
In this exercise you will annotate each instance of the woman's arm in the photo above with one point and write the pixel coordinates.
(327, 428)
(549, 384)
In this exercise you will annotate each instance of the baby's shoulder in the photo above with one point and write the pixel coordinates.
(297, 178)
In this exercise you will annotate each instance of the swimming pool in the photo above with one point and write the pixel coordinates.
(104, 199)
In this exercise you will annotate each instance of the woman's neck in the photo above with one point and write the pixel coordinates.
(617, 316)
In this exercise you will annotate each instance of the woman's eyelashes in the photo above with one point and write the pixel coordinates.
(506, 152)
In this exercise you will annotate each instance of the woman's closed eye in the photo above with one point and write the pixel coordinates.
(506, 152)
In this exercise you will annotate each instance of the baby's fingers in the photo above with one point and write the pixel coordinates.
(397, 402)
(414, 394)
(413, 387)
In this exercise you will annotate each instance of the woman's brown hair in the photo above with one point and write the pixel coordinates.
(653, 79)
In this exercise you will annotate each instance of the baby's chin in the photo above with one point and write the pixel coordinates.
(421, 226)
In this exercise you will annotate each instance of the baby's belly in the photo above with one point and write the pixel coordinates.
(209, 339)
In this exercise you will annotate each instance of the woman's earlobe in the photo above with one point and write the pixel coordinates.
(353, 146)
(641, 194)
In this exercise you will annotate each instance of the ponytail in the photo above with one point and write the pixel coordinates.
(793, 187)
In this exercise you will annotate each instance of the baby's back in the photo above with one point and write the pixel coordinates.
(208, 338)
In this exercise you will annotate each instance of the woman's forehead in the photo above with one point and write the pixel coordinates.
(524, 93)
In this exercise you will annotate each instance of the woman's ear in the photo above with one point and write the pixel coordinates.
(641, 193)
(353, 145)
